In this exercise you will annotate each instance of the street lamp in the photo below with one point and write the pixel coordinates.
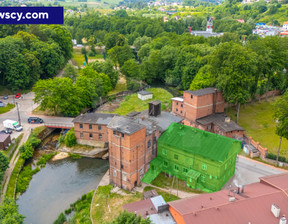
(19, 120)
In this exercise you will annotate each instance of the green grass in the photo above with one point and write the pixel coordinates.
(100, 210)
(118, 88)
(45, 158)
(258, 122)
(7, 108)
(166, 182)
(79, 58)
(38, 130)
(133, 103)
(167, 197)
(10, 193)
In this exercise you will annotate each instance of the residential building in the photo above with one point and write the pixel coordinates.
(5, 141)
(133, 143)
(285, 26)
(205, 160)
(257, 203)
(91, 128)
(204, 109)
(155, 208)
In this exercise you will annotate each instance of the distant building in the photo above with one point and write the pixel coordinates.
(263, 30)
(257, 203)
(208, 32)
(155, 208)
(165, 19)
(74, 41)
(133, 144)
(204, 160)
(91, 128)
(204, 109)
(285, 26)
(145, 95)
(5, 141)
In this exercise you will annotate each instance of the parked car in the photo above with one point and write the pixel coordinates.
(35, 120)
(2, 104)
(5, 97)
(18, 95)
(4, 132)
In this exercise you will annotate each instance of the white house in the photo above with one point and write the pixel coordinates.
(285, 26)
(145, 95)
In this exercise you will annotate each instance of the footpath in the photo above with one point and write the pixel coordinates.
(12, 164)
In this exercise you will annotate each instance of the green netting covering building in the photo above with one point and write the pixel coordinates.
(205, 160)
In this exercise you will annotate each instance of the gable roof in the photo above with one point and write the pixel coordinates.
(3, 137)
(219, 120)
(94, 118)
(199, 142)
(143, 92)
(201, 92)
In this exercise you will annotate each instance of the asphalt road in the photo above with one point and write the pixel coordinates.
(248, 171)
(26, 106)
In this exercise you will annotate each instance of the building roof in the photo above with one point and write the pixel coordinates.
(285, 22)
(143, 208)
(143, 92)
(158, 201)
(199, 142)
(180, 99)
(201, 92)
(3, 137)
(125, 125)
(161, 122)
(219, 120)
(94, 118)
(155, 102)
(251, 206)
(149, 194)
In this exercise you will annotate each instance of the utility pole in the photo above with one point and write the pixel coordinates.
(19, 120)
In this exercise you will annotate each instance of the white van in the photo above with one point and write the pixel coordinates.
(12, 125)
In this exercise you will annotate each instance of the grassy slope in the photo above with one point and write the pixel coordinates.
(7, 108)
(258, 122)
(133, 103)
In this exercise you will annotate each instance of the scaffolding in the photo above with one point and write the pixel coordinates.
(204, 160)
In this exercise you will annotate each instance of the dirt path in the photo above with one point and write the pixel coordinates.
(12, 164)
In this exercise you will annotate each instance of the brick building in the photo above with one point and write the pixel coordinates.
(91, 128)
(204, 109)
(133, 143)
(5, 140)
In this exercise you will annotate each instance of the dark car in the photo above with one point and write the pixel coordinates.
(4, 132)
(35, 120)
(2, 104)
(18, 96)
(5, 97)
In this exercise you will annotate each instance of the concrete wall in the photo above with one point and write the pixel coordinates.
(145, 97)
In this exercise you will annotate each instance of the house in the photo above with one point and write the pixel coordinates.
(204, 109)
(285, 26)
(145, 95)
(205, 160)
(5, 141)
(257, 203)
(91, 128)
(155, 208)
(133, 143)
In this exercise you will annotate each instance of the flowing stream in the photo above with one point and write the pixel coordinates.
(58, 185)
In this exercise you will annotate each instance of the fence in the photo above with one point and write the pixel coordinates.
(263, 151)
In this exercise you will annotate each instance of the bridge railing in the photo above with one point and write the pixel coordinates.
(59, 125)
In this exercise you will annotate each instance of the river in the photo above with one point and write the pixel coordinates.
(59, 184)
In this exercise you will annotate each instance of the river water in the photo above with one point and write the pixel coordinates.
(59, 184)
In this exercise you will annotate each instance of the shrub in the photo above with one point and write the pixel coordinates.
(61, 139)
(61, 219)
(26, 151)
(274, 157)
(70, 138)
(34, 141)
(132, 85)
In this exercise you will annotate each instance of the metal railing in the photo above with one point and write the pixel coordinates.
(59, 125)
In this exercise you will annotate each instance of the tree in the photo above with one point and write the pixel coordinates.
(130, 69)
(70, 138)
(9, 212)
(140, 41)
(70, 72)
(203, 79)
(234, 67)
(26, 151)
(281, 116)
(59, 95)
(120, 54)
(131, 218)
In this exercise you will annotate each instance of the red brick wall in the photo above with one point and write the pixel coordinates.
(178, 108)
(94, 131)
